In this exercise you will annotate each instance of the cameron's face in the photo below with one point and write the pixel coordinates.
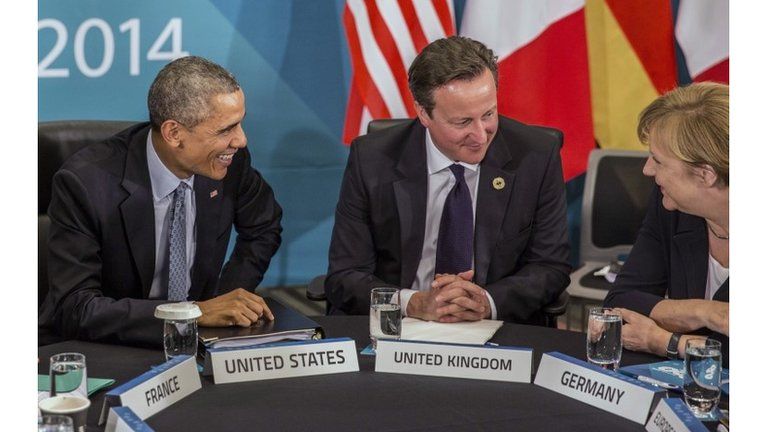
(208, 148)
(464, 119)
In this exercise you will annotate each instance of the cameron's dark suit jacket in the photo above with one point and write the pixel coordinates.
(669, 258)
(521, 243)
(102, 240)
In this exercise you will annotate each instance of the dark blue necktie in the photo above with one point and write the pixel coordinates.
(454, 241)
(177, 247)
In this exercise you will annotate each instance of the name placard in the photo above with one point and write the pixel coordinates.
(123, 419)
(604, 389)
(672, 415)
(155, 390)
(496, 363)
(284, 360)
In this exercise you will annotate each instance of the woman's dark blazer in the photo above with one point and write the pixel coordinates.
(669, 258)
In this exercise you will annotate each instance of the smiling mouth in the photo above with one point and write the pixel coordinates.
(225, 157)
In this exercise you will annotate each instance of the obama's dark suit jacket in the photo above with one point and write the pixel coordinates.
(521, 243)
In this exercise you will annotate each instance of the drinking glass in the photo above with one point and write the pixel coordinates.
(604, 338)
(386, 320)
(703, 369)
(55, 423)
(69, 375)
(179, 328)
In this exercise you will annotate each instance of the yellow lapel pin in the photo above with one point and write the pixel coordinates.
(498, 183)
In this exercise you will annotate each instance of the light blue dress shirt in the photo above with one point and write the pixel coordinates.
(164, 183)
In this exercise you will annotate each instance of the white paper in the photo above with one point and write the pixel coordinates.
(467, 332)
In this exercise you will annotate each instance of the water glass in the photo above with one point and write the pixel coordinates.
(703, 369)
(179, 328)
(55, 423)
(386, 319)
(604, 338)
(69, 375)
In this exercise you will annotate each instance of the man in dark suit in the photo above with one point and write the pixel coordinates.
(463, 209)
(145, 217)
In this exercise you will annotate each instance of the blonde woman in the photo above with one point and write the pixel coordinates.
(674, 285)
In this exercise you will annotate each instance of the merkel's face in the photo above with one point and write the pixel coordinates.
(673, 176)
(464, 119)
(208, 148)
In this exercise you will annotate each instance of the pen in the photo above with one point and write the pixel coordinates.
(658, 383)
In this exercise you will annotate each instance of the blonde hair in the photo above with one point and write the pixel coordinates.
(693, 124)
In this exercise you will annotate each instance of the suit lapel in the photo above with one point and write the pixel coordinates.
(411, 200)
(138, 211)
(491, 204)
(208, 196)
(691, 242)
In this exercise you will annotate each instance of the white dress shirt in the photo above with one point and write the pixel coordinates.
(440, 181)
(164, 183)
(716, 275)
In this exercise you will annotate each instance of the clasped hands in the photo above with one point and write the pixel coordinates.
(238, 307)
(451, 298)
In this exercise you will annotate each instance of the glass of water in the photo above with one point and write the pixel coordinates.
(386, 320)
(69, 375)
(703, 368)
(604, 338)
(179, 328)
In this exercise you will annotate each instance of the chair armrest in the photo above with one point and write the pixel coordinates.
(316, 288)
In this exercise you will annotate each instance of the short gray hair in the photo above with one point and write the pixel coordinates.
(183, 89)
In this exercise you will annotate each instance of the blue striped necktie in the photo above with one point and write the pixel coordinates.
(177, 247)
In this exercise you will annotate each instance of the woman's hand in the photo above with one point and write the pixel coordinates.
(640, 333)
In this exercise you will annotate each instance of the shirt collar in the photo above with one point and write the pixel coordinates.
(163, 180)
(437, 161)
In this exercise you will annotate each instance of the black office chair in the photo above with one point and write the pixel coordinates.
(43, 225)
(316, 287)
(57, 140)
(614, 204)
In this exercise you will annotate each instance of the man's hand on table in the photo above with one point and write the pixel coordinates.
(452, 298)
(238, 307)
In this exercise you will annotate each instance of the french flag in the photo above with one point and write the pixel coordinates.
(702, 33)
(543, 67)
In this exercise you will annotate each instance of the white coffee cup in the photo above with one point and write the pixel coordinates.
(70, 406)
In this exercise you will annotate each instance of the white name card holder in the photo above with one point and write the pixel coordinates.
(672, 415)
(282, 360)
(495, 363)
(601, 388)
(123, 419)
(156, 389)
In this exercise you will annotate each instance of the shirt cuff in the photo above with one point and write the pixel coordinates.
(493, 305)
(405, 297)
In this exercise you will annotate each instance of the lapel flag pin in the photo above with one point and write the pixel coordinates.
(498, 183)
(214, 193)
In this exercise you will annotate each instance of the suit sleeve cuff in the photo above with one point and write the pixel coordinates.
(405, 297)
(492, 303)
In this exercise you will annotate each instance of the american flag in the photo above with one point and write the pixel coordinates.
(384, 37)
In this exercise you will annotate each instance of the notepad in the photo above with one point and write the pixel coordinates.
(94, 384)
(669, 371)
(466, 332)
